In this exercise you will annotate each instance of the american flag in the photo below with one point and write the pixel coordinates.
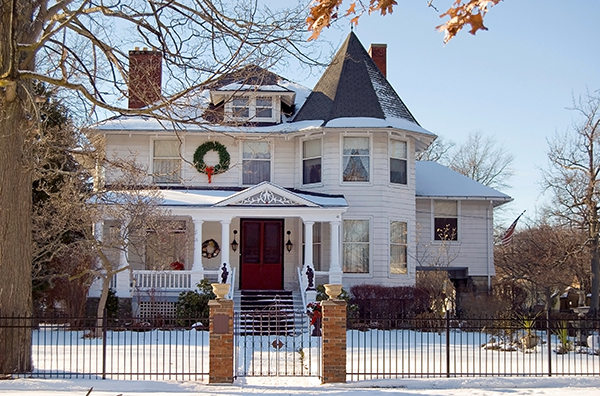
(507, 237)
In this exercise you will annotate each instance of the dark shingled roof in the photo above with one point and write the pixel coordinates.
(353, 86)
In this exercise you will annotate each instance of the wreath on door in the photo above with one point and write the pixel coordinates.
(221, 167)
(210, 249)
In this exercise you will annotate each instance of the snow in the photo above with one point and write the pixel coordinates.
(275, 386)
(247, 87)
(389, 122)
(571, 386)
(436, 180)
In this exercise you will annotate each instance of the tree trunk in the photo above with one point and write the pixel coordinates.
(15, 234)
(595, 269)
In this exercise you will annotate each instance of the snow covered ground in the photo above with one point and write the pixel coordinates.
(54, 355)
(563, 386)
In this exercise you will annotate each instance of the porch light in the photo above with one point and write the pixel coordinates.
(234, 244)
(289, 245)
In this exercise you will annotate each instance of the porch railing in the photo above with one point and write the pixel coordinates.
(163, 280)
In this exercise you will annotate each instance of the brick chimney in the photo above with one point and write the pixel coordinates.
(145, 77)
(378, 53)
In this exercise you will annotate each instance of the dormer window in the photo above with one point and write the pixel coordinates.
(252, 109)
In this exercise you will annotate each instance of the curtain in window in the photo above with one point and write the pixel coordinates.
(311, 164)
(356, 159)
(256, 163)
(356, 246)
(167, 162)
(398, 245)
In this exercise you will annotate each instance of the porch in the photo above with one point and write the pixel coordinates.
(254, 239)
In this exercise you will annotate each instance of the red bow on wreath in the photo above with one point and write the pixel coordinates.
(209, 172)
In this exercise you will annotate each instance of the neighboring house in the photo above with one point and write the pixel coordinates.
(320, 185)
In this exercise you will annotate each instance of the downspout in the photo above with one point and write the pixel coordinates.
(489, 240)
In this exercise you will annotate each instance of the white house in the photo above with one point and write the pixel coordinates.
(301, 187)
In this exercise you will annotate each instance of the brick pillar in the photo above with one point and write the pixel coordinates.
(221, 342)
(334, 341)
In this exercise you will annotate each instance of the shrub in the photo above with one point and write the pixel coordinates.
(192, 306)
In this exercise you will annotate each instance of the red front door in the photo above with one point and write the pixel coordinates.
(261, 254)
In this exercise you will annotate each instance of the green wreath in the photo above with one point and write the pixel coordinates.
(204, 148)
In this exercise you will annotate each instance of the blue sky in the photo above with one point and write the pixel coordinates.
(514, 82)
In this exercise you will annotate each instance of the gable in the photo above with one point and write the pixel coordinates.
(266, 194)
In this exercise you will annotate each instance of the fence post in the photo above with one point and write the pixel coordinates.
(447, 343)
(333, 362)
(549, 343)
(104, 331)
(221, 341)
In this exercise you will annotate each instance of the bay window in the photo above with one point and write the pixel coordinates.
(356, 246)
(355, 159)
(398, 247)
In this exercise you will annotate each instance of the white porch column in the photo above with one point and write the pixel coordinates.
(335, 269)
(95, 289)
(225, 242)
(123, 278)
(308, 269)
(308, 244)
(197, 267)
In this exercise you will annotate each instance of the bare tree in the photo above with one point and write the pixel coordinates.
(573, 177)
(437, 151)
(483, 160)
(544, 260)
(81, 46)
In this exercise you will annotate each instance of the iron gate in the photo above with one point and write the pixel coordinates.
(275, 341)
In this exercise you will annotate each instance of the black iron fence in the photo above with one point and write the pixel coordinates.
(135, 348)
(287, 345)
(445, 347)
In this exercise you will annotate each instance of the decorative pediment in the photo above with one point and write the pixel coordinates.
(266, 194)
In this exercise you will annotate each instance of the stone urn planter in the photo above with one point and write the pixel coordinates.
(220, 289)
(529, 341)
(333, 291)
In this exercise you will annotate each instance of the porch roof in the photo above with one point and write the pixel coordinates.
(264, 194)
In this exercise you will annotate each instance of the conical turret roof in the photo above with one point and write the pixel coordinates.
(353, 86)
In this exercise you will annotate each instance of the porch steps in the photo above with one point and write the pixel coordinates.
(269, 312)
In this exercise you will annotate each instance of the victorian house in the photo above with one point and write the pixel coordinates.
(286, 187)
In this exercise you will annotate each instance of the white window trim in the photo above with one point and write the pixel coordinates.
(241, 156)
(408, 260)
(275, 114)
(341, 160)
(361, 274)
(408, 163)
(319, 184)
(458, 222)
(181, 140)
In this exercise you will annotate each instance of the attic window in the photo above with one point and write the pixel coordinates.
(252, 109)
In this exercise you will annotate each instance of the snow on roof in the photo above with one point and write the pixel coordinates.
(366, 122)
(210, 197)
(436, 180)
(247, 87)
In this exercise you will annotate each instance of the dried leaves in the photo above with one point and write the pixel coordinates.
(461, 14)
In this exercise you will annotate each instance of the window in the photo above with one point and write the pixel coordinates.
(445, 220)
(166, 161)
(264, 107)
(166, 245)
(356, 159)
(256, 162)
(398, 162)
(356, 246)
(316, 246)
(398, 246)
(311, 161)
(251, 108)
(241, 107)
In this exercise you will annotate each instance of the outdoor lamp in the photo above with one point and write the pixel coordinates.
(234, 244)
(289, 245)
